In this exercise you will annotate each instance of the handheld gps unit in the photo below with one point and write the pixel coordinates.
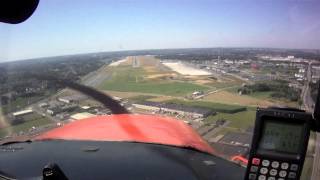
(279, 144)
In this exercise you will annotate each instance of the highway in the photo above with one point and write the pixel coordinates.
(306, 91)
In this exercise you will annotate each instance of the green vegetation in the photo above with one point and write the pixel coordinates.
(241, 120)
(38, 121)
(262, 94)
(19, 103)
(174, 89)
(226, 130)
(233, 89)
(217, 107)
(140, 98)
(23, 101)
(278, 89)
(128, 79)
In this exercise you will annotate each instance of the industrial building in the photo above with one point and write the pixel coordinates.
(58, 109)
(73, 98)
(22, 113)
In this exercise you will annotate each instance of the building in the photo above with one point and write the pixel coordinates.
(65, 100)
(195, 112)
(43, 105)
(53, 110)
(72, 99)
(85, 107)
(59, 109)
(82, 115)
(22, 113)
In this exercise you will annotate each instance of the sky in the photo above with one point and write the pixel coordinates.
(60, 27)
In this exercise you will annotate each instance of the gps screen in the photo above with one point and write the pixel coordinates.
(281, 137)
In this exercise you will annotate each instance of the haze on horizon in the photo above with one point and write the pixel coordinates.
(64, 27)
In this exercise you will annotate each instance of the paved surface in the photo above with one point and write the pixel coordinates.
(307, 100)
(95, 78)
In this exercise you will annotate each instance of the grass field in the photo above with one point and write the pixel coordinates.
(262, 95)
(128, 79)
(22, 102)
(218, 107)
(39, 121)
(140, 98)
(234, 98)
(241, 120)
(265, 99)
(19, 103)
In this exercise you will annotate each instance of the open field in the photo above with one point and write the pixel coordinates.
(233, 98)
(140, 98)
(128, 79)
(19, 103)
(161, 98)
(264, 98)
(25, 126)
(240, 120)
(174, 89)
(218, 107)
(126, 94)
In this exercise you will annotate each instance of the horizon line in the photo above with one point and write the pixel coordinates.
(118, 51)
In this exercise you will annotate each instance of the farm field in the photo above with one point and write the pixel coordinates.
(25, 126)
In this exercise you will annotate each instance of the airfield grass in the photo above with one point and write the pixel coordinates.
(140, 98)
(234, 98)
(225, 130)
(217, 107)
(25, 126)
(265, 98)
(226, 84)
(240, 120)
(128, 79)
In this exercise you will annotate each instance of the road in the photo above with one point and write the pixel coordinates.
(306, 93)
(309, 105)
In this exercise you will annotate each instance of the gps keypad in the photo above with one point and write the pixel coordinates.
(265, 169)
